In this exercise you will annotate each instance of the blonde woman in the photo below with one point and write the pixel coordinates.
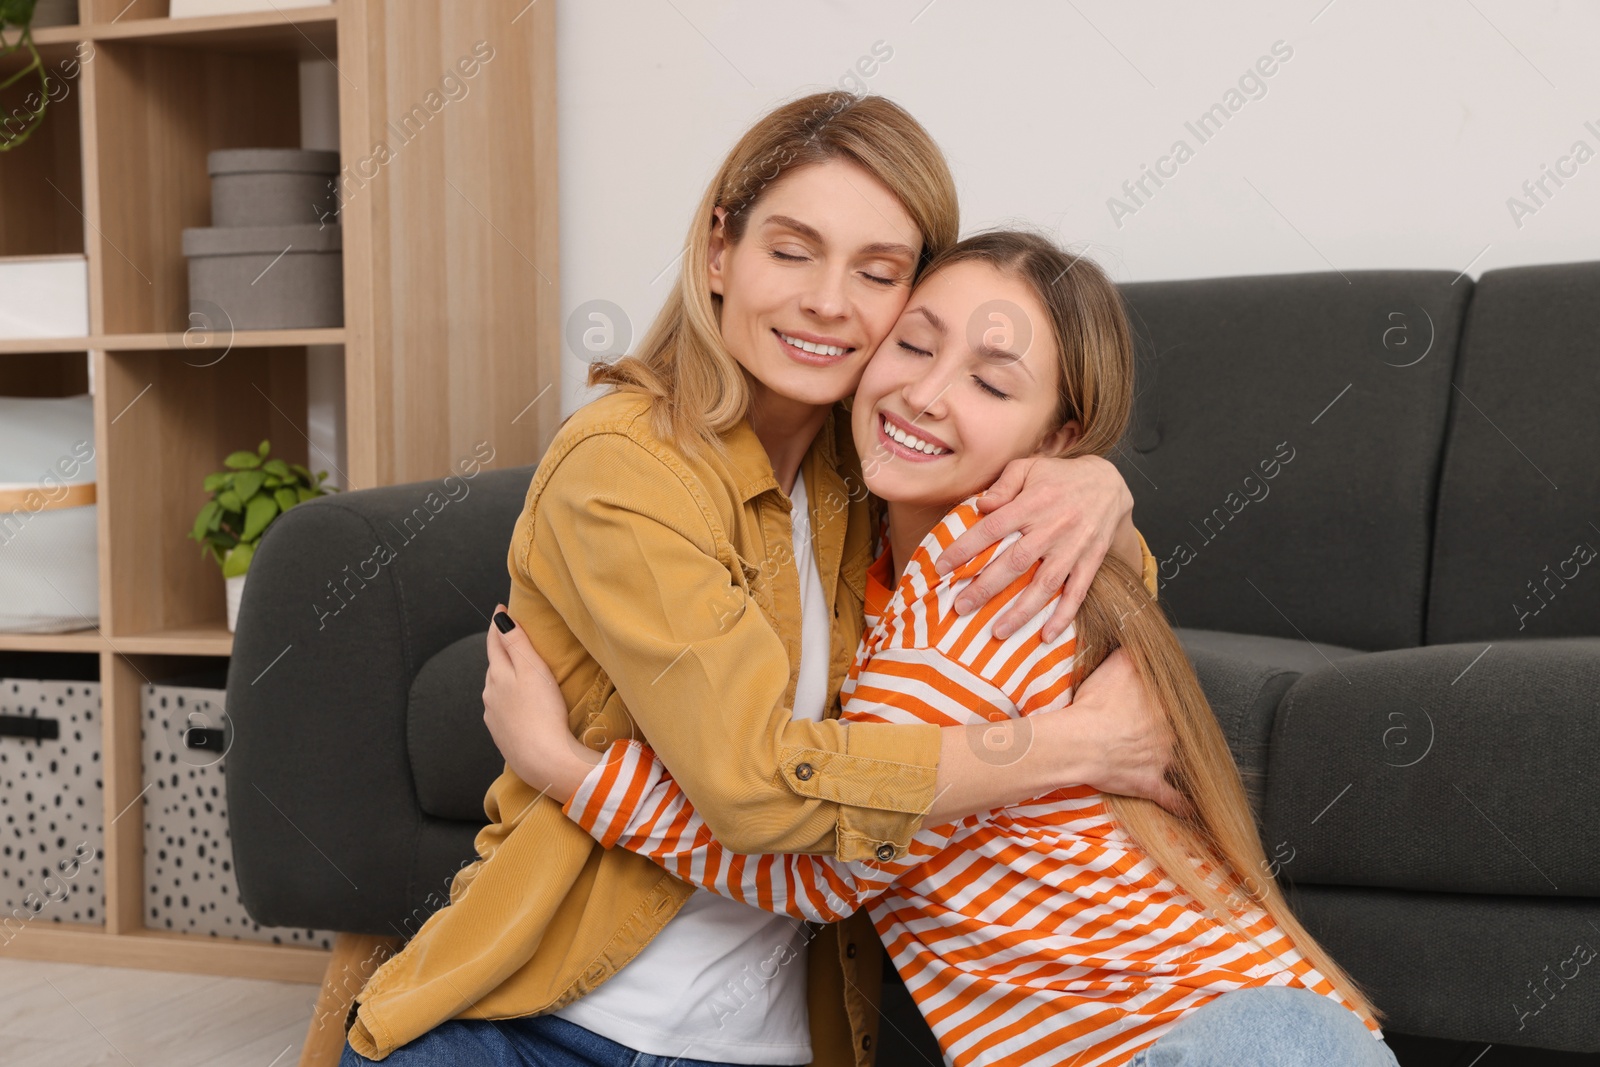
(690, 563)
(1074, 928)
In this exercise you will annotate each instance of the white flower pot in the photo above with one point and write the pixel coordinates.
(235, 594)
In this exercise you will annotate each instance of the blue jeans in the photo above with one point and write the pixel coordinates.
(530, 1041)
(1268, 1026)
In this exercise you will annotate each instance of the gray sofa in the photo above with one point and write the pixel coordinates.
(1372, 495)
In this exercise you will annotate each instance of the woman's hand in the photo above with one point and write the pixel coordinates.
(1124, 734)
(527, 715)
(1071, 512)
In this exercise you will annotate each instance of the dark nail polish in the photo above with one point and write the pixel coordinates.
(502, 620)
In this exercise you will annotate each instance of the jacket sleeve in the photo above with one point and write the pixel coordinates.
(626, 548)
(1151, 578)
(631, 800)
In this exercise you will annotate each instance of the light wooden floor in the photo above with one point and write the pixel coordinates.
(68, 1015)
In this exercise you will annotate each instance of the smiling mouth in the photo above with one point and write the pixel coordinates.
(908, 441)
(817, 352)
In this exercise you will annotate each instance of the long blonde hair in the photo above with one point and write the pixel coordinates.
(1214, 854)
(698, 389)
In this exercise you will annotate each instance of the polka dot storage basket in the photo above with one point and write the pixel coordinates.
(189, 881)
(52, 808)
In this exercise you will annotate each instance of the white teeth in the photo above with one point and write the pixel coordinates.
(821, 350)
(910, 440)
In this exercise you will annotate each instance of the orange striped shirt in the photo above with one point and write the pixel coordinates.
(1035, 934)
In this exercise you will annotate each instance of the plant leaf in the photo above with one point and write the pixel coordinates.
(238, 560)
(202, 521)
(230, 500)
(304, 494)
(214, 482)
(278, 467)
(264, 446)
(247, 483)
(286, 499)
(260, 511)
(242, 461)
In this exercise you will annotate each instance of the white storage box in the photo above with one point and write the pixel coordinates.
(52, 807)
(49, 564)
(44, 296)
(194, 8)
(190, 886)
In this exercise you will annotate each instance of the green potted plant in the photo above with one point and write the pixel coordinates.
(246, 499)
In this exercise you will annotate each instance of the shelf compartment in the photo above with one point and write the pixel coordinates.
(167, 421)
(189, 340)
(48, 373)
(158, 112)
(45, 172)
(306, 32)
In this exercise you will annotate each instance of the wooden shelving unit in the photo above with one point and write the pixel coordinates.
(451, 323)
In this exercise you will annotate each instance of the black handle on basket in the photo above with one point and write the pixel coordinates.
(30, 727)
(201, 737)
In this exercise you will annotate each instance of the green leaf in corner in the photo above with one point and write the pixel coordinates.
(246, 483)
(242, 461)
(263, 448)
(238, 561)
(230, 500)
(276, 466)
(304, 494)
(286, 499)
(203, 521)
(260, 511)
(214, 482)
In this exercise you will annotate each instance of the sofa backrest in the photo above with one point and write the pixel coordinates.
(1285, 448)
(1517, 548)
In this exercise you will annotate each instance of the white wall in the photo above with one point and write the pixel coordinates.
(1392, 137)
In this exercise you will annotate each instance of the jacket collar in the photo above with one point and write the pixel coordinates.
(751, 467)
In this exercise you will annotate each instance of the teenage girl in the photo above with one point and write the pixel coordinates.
(1078, 928)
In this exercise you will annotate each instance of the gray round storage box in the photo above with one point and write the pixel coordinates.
(273, 186)
(265, 277)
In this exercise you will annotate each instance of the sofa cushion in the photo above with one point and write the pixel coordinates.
(1517, 548)
(1285, 448)
(1463, 768)
(1506, 970)
(1245, 678)
(453, 756)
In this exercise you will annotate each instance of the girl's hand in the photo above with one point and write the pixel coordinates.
(1071, 511)
(527, 715)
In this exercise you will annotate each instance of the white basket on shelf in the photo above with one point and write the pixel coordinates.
(49, 560)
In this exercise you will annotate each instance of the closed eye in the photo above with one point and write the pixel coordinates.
(914, 350)
(991, 389)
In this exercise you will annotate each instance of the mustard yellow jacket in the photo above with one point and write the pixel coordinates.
(662, 590)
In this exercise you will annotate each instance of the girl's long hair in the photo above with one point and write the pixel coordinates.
(1214, 854)
(698, 390)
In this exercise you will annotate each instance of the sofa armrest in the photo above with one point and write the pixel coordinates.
(348, 596)
(1461, 768)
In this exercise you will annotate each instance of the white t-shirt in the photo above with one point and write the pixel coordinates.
(724, 980)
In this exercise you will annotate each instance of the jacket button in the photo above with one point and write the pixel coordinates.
(850, 950)
(886, 853)
(866, 1041)
(804, 772)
